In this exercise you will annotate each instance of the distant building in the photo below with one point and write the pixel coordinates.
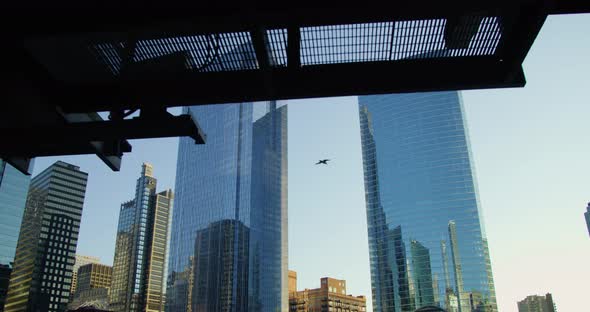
(94, 282)
(14, 186)
(587, 215)
(536, 303)
(292, 282)
(46, 250)
(141, 251)
(331, 296)
(80, 261)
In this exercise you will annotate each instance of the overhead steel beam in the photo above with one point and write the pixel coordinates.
(234, 16)
(105, 131)
(107, 139)
(260, 44)
(293, 47)
(525, 23)
(306, 82)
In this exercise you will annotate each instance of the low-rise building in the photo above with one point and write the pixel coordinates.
(331, 296)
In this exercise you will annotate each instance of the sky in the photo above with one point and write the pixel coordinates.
(532, 160)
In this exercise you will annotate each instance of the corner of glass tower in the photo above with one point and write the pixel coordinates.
(229, 231)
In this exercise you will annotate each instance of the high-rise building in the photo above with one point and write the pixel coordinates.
(141, 251)
(14, 186)
(81, 260)
(229, 240)
(536, 303)
(427, 241)
(587, 216)
(46, 249)
(331, 296)
(94, 282)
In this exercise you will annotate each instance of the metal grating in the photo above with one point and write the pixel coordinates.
(277, 44)
(207, 53)
(390, 41)
(369, 42)
(107, 53)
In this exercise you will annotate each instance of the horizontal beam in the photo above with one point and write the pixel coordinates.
(98, 137)
(233, 16)
(306, 82)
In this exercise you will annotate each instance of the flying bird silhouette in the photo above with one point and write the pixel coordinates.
(322, 162)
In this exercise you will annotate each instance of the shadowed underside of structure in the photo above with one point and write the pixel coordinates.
(65, 67)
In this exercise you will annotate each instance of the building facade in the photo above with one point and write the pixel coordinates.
(46, 250)
(427, 241)
(587, 216)
(81, 260)
(14, 186)
(292, 282)
(94, 275)
(536, 303)
(331, 296)
(229, 240)
(94, 282)
(141, 250)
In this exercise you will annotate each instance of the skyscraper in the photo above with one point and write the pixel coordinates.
(46, 249)
(536, 303)
(587, 216)
(14, 186)
(426, 236)
(229, 240)
(141, 250)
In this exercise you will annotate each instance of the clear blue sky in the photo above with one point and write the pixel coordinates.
(532, 155)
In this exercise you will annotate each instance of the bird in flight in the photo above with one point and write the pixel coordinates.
(322, 162)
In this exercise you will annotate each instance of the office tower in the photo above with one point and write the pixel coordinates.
(141, 250)
(587, 216)
(94, 282)
(331, 296)
(80, 261)
(14, 186)
(427, 241)
(536, 303)
(229, 241)
(46, 249)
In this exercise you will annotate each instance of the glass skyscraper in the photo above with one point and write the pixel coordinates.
(427, 241)
(141, 250)
(46, 250)
(229, 239)
(14, 186)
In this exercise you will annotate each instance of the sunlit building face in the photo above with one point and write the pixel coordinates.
(426, 236)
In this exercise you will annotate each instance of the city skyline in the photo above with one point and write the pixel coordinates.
(521, 149)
